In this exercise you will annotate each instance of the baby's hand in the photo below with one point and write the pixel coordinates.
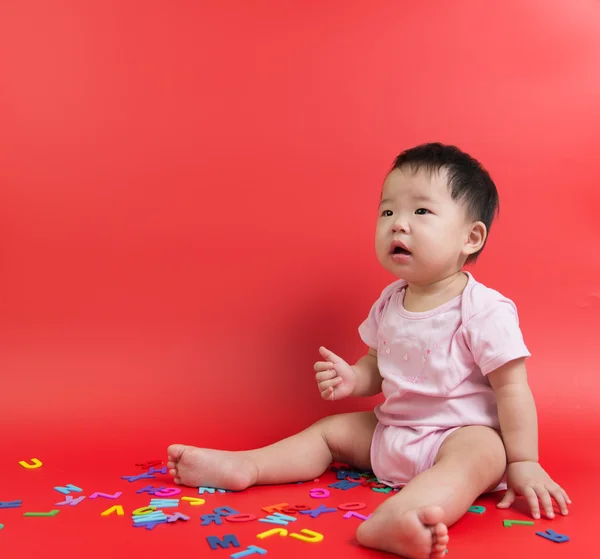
(336, 379)
(531, 481)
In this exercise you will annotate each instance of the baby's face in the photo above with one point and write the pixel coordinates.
(422, 234)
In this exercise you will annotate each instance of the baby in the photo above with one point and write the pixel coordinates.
(447, 352)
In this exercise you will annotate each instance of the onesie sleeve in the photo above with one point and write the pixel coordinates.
(369, 328)
(493, 334)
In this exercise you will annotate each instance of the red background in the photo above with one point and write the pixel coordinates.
(188, 194)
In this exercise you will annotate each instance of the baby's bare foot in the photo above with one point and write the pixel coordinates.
(194, 466)
(417, 534)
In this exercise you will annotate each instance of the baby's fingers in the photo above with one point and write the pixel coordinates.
(546, 500)
(327, 394)
(322, 366)
(326, 384)
(326, 375)
(561, 499)
(532, 499)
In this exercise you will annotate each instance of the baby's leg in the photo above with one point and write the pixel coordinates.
(303, 456)
(414, 522)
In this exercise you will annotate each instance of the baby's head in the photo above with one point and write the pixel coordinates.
(437, 207)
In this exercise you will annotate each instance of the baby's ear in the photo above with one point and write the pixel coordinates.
(476, 235)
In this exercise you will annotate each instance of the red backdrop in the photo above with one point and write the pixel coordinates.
(188, 194)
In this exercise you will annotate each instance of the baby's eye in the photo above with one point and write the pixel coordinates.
(422, 211)
(386, 213)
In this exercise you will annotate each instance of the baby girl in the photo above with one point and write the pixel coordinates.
(459, 418)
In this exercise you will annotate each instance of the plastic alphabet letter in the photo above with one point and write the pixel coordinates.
(164, 503)
(177, 516)
(509, 523)
(168, 492)
(149, 489)
(106, 495)
(211, 490)
(66, 490)
(319, 493)
(280, 531)
(240, 517)
(225, 511)
(278, 518)
(344, 484)
(228, 539)
(141, 476)
(343, 474)
(353, 506)
(152, 517)
(35, 463)
(311, 537)
(381, 489)
(316, 512)
(553, 536)
(150, 525)
(10, 504)
(153, 470)
(273, 508)
(294, 509)
(208, 518)
(149, 464)
(249, 551)
(194, 501)
(70, 501)
(51, 513)
(117, 508)
(143, 510)
(477, 509)
(351, 514)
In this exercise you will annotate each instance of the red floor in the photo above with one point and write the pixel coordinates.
(80, 531)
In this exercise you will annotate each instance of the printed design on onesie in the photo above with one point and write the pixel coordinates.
(413, 352)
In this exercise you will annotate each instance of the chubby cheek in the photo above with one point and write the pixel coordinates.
(382, 245)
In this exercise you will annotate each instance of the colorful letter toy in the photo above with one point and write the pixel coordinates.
(35, 463)
(228, 539)
(117, 508)
(310, 536)
(69, 487)
(70, 501)
(278, 518)
(106, 495)
(280, 531)
(553, 536)
(509, 523)
(316, 512)
(51, 513)
(252, 549)
(10, 504)
(353, 506)
(194, 501)
(477, 509)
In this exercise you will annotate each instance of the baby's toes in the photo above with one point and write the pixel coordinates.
(173, 472)
(440, 538)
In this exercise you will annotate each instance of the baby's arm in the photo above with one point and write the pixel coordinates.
(519, 427)
(337, 379)
(516, 411)
(368, 378)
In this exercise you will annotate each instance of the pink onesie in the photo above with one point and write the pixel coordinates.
(434, 366)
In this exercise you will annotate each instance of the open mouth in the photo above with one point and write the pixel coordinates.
(401, 250)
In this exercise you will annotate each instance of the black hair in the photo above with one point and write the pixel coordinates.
(468, 181)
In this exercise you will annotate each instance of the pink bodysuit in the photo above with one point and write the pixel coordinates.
(434, 366)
